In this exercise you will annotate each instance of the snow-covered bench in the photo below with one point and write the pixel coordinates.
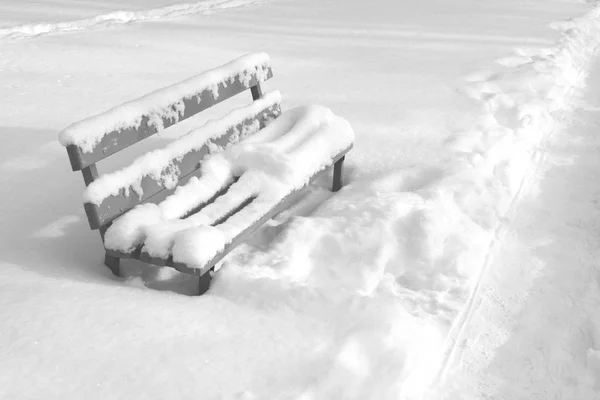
(189, 204)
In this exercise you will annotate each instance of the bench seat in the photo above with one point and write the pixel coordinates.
(238, 190)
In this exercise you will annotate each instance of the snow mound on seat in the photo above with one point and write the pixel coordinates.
(131, 228)
(270, 164)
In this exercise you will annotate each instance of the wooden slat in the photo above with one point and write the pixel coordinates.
(119, 140)
(283, 204)
(114, 206)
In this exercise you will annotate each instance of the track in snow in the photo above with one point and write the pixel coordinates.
(457, 333)
(461, 325)
(536, 333)
(121, 17)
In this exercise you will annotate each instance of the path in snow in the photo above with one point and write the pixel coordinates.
(121, 17)
(535, 333)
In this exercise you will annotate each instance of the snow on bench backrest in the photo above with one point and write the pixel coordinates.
(96, 138)
(113, 194)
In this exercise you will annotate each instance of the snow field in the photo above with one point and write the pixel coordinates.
(120, 17)
(522, 104)
(536, 330)
(362, 241)
(357, 289)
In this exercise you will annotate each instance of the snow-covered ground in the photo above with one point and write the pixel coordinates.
(535, 333)
(370, 293)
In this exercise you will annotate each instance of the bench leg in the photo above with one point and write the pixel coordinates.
(337, 174)
(113, 263)
(204, 283)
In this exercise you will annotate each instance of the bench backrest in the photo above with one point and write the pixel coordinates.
(93, 139)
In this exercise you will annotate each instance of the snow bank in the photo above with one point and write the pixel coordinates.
(164, 103)
(270, 164)
(159, 164)
(380, 351)
(121, 17)
(420, 238)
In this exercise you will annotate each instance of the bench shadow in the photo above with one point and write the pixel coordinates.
(45, 229)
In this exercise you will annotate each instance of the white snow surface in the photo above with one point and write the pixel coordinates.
(357, 295)
(117, 17)
(165, 103)
(536, 331)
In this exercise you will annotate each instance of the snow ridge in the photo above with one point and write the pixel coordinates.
(121, 17)
(531, 113)
(420, 238)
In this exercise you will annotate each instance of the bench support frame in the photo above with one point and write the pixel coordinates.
(337, 174)
(113, 263)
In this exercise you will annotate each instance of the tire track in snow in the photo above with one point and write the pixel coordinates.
(457, 332)
(539, 156)
(548, 275)
(121, 18)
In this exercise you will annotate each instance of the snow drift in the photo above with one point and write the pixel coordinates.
(416, 241)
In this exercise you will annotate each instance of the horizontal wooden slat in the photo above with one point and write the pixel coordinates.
(244, 235)
(114, 206)
(121, 139)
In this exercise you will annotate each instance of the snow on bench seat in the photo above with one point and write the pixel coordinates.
(257, 173)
